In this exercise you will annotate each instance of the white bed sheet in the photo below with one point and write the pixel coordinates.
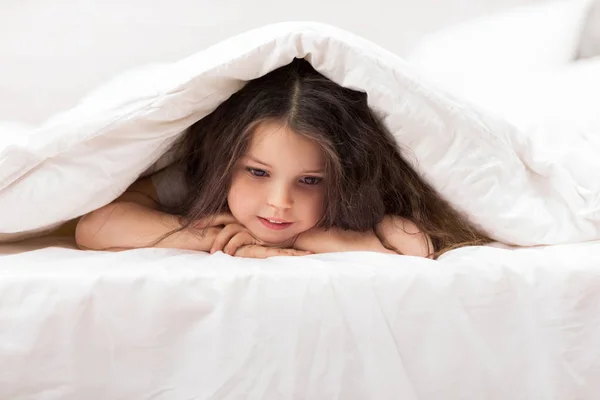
(485, 323)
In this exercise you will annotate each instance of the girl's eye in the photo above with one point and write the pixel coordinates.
(311, 180)
(257, 172)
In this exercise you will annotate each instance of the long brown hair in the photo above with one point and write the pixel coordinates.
(366, 174)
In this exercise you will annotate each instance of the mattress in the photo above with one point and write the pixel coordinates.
(489, 322)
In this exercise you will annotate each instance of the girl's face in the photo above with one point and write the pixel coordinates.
(278, 187)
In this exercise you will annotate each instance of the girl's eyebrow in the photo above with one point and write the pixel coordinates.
(256, 160)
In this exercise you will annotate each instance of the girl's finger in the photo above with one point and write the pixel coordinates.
(274, 252)
(228, 232)
(300, 253)
(251, 251)
(258, 251)
(242, 238)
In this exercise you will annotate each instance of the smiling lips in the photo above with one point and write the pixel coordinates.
(275, 224)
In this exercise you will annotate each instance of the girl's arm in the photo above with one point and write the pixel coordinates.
(396, 232)
(404, 236)
(133, 221)
(319, 240)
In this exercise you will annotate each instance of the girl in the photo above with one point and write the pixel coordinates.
(291, 164)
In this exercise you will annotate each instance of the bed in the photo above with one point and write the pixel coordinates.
(517, 320)
(487, 323)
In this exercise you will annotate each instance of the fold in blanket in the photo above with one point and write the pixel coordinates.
(589, 45)
(488, 169)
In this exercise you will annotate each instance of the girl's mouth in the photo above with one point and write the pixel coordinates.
(274, 224)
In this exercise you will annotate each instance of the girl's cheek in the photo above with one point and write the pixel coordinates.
(248, 187)
(237, 191)
(241, 182)
(317, 205)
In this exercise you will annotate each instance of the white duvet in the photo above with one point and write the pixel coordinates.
(480, 323)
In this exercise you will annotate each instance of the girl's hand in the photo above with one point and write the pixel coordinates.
(256, 251)
(232, 237)
(235, 240)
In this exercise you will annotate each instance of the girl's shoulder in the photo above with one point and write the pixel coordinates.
(170, 185)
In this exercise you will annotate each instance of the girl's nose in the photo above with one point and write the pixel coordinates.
(280, 197)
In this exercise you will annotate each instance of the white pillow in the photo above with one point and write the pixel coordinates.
(498, 47)
(569, 93)
(590, 36)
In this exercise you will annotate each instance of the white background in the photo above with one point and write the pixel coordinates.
(53, 52)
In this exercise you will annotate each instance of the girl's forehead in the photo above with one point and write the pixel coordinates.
(272, 139)
(274, 134)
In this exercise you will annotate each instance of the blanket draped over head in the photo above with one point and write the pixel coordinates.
(520, 189)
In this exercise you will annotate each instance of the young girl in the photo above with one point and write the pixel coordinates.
(291, 164)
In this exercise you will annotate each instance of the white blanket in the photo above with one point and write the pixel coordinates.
(506, 183)
(480, 323)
